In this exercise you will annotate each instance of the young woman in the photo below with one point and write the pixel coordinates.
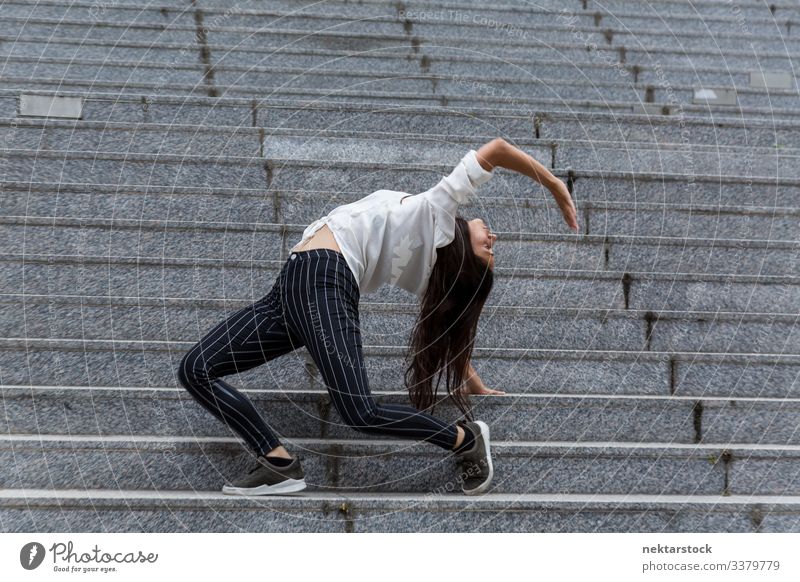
(414, 242)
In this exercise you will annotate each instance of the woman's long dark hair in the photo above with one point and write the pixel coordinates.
(444, 333)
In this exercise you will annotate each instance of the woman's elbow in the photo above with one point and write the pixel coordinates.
(490, 154)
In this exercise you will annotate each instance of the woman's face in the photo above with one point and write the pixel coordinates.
(482, 240)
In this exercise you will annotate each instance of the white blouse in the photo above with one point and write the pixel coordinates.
(391, 237)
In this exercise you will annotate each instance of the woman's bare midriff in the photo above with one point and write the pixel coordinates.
(321, 239)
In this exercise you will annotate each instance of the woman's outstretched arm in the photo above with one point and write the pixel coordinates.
(499, 152)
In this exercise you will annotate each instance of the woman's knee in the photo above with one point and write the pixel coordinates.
(191, 372)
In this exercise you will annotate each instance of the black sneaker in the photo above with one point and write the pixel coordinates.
(475, 464)
(268, 479)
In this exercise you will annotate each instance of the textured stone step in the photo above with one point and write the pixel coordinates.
(701, 161)
(357, 145)
(157, 102)
(63, 316)
(25, 510)
(201, 135)
(195, 463)
(213, 240)
(703, 8)
(136, 169)
(613, 156)
(759, 215)
(517, 25)
(174, 139)
(747, 8)
(236, 81)
(328, 177)
(513, 417)
(248, 278)
(634, 16)
(68, 59)
(32, 361)
(434, 59)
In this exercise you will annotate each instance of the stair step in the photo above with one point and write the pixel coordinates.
(41, 510)
(212, 240)
(522, 27)
(251, 279)
(31, 361)
(614, 156)
(708, 229)
(95, 318)
(236, 81)
(563, 417)
(203, 463)
(568, 130)
(435, 62)
(708, 61)
(281, 173)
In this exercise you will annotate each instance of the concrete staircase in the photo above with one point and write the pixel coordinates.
(651, 362)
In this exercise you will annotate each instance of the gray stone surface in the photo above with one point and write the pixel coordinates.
(707, 334)
(751, 421)
(548, 328)
(119, 73)
(751, 376)
(292, 414)
(668, 189)
(361, 466)
(764, 475)
(136, 169)
(101, 138)
(88, 12)
(670, 221)
(280, 143)
(201, 511)
(677, 159)
(548, 373)
(94, 363)
(730, 295)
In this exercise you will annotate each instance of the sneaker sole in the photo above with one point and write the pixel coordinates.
(485, 485)
(288, 486)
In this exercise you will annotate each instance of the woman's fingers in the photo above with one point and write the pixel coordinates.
(567, 206)
(490, 391)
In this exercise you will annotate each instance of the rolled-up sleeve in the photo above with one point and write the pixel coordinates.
(460, 187)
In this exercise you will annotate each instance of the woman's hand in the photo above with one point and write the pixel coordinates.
(564, 200)
(499, 152)
(474, 385)
(481, 390)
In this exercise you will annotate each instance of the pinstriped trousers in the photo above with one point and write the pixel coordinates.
(314, 303)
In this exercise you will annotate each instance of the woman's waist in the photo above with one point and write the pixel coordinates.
(321, 239)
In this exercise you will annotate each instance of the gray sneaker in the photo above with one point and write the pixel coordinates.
(475, 464)
(268, 479)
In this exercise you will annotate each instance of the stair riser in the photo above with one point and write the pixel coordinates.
(713, 258)
(438, 60)
(512, 419)
(151, 365)
(207, 469)
(56, 320)
(249, 283)
(537, 215)
(555, 420)
(387, 22)
(300, 515)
